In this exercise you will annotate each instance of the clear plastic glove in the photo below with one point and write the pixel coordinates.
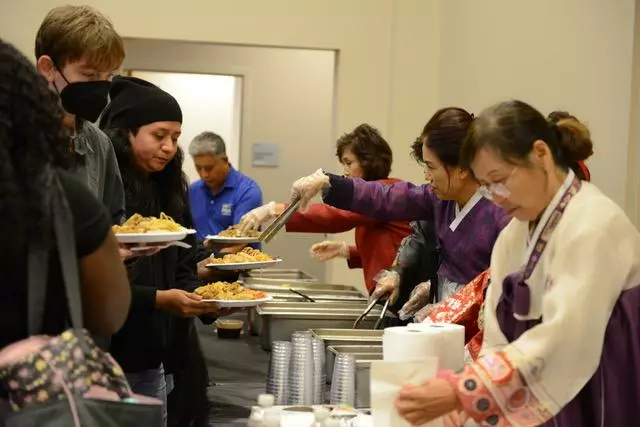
(328, 250)
(418, 299)
(308, 187)
(388, 283)
(253, 219)
(423, 313)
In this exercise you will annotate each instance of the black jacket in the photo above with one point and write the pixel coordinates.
(417, 260)
(146, 337)
(141, 344)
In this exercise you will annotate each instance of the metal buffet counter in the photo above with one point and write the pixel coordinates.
(240, 367)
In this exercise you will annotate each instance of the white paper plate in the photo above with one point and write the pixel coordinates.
(228, 303)
(147, 246)
(233, 240)
(243, 265)
(159, 237)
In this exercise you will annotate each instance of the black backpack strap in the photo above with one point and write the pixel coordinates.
(37, 267)
(63, 234)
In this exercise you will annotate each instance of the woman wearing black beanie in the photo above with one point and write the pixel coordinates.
(144, 124)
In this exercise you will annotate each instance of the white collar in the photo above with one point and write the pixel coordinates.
(460, 214)
(533, 237)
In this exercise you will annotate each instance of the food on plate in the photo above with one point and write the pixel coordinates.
(228, 291)
(148, 224)
(246, 255)
(234, 231)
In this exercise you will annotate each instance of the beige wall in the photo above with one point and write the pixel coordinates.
(287, 99)
(401, 59)
(556, 54)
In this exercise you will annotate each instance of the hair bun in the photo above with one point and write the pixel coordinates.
(575, 139)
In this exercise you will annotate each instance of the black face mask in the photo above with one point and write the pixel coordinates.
(85, 99)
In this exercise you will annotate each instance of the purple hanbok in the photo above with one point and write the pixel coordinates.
(465, 239)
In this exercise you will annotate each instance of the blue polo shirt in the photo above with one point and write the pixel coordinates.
(213, 213)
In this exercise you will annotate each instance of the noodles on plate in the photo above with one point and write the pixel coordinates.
(234, 231)
(246, 255)
(148, 224)
(228, 291)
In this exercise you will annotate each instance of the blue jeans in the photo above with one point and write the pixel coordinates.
(150, 383)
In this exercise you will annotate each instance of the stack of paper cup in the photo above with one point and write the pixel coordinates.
(425, 340)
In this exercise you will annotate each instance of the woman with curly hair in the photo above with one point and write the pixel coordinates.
(34, 190)
(364, 154)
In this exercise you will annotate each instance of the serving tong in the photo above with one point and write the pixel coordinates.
(367, 310)
(277, 224)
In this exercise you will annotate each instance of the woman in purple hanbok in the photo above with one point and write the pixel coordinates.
(466, 224)
(562, 313)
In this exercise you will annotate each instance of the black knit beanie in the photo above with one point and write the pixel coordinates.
(136, 102)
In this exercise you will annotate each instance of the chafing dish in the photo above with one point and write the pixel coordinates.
(254, 320)
(347, 337)
(363, 379)
(280, 273)
(279, 285)
(356, 350)
(287, 297)
(278, 324)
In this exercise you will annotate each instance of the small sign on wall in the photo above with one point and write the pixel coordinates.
(265, 154)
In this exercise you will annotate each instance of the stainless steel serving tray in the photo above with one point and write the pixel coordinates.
(347, 337)
(356, 350)
(278, 325)
(248, 280)
(276, 285)
(363, 379)
(255, 321)
(281, 273)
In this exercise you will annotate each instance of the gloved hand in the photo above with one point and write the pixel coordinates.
(328, 250)
(418, 299)
(253, 219)
(423, 313)
(308, 187)
(388, 283)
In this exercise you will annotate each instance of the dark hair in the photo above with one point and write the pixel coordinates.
(579, 168)
(169, 185)
(512, 127)
(371, 149)
(444, 134)
(33, 141)
(416, 151)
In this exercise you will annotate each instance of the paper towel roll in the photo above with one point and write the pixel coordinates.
(424, 340)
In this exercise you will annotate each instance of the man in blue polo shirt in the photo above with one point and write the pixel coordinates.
(222, 195)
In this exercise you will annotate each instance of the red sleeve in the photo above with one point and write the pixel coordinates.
(322, 218)
(355, 260)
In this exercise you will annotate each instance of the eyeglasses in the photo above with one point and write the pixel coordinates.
(497, 189)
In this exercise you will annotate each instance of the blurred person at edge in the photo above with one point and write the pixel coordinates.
(364, 154)
(144, 124)
(33, 144)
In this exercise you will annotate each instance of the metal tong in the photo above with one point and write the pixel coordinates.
(279, 222)
(306, 297)
(367, 310)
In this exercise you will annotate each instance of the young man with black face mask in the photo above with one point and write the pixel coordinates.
(77, 50)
